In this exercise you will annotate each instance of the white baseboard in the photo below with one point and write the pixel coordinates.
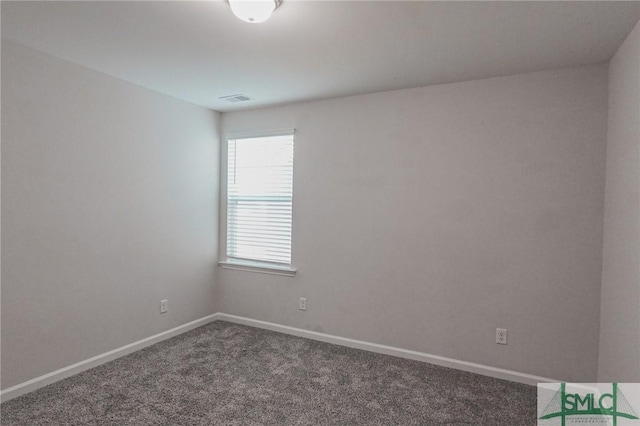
(472, 367)
(54, 376)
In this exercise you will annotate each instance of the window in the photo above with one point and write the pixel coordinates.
(259, 200)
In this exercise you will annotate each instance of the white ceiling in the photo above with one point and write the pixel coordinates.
(198, 51)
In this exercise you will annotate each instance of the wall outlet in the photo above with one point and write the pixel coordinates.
(302, 305)
(501, 336)
(164, 306)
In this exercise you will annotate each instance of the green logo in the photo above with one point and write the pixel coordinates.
(566, 404)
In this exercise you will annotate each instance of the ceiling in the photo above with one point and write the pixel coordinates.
(198, 51)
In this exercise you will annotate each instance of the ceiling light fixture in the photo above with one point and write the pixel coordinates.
(254, 11)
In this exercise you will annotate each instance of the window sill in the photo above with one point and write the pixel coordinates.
(258, 268)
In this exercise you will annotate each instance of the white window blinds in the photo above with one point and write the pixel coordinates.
(259, 199)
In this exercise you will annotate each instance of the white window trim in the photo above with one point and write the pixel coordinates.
(259, 267)
(244, 264)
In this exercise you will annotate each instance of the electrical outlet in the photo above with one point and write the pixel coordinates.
(164, 306)
(303, 304)
(501, 336)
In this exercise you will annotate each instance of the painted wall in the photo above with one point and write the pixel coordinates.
(109, 204)
(620, 308)
(425, 218)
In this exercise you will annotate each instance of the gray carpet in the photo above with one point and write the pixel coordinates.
(229, 374)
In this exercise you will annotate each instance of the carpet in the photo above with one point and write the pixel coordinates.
(229, 374)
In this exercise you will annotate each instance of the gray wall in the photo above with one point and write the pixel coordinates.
(109, 204)
(620, 309)
(425, 218)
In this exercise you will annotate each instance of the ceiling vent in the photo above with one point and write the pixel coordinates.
(236, 98)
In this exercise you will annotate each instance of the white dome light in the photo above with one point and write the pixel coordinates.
(254, 11)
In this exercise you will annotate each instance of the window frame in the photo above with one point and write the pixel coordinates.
(233, 263)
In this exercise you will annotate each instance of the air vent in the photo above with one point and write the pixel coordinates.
(236, 98)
